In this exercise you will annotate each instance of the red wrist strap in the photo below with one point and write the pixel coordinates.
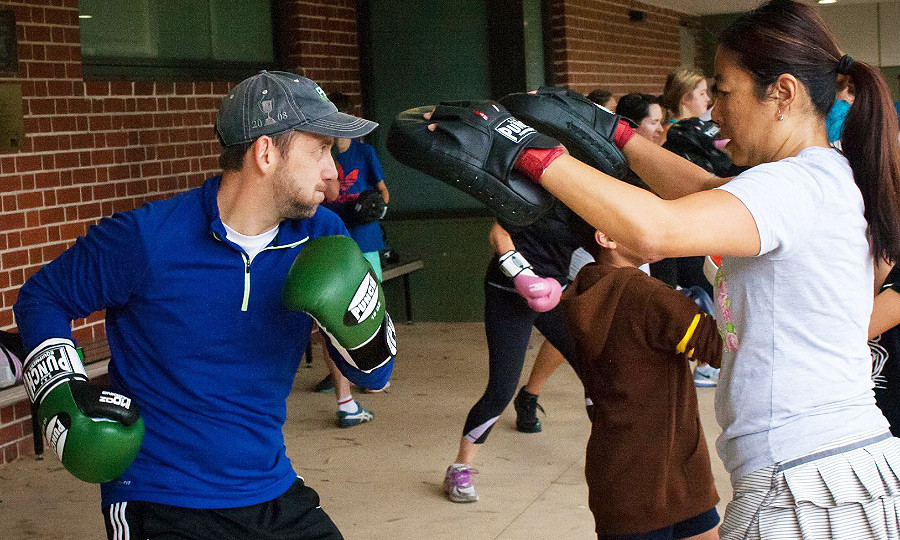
(534, 161)
(624, 133)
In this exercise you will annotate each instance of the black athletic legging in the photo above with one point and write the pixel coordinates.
(507, 323)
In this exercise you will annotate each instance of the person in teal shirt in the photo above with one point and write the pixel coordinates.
(834, 121)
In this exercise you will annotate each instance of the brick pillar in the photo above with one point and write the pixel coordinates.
(319, 40)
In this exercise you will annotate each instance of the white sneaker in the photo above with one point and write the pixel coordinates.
(458, 483)
(706, 376)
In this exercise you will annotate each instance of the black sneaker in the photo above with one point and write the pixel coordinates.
(325, 385)
(526, 412)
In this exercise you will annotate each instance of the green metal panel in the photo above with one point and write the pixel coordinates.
(535, 67)
(890, 75)
(450, 286)
(420, 53)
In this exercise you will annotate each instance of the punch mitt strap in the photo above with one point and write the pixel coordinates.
(583, 127)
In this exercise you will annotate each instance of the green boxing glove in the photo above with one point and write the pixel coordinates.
(332, 281)
(95, 433)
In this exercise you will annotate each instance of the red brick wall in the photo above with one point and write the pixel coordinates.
(595, 45)
(15, 431)
(96, 147)
(320, 41)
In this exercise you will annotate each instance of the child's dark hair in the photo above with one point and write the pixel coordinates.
(784, 36)
(584, 235)
(600, 96)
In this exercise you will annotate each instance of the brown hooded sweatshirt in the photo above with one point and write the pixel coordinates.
(647, 463)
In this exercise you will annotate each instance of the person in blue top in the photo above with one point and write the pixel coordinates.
(199, 334)
(897, 105)
(361, 172)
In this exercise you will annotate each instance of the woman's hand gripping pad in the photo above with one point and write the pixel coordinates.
(473, 148)
(585, 128)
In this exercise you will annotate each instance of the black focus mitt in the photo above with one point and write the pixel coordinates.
(585, 128)
(474, 148)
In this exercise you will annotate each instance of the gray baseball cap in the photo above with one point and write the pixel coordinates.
(275, 102)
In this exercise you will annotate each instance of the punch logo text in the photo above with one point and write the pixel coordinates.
(47, 366)
(363, 302)
(514, 130)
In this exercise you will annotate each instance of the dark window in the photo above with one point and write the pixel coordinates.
(176, 39)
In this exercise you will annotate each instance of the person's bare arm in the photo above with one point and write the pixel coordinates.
(668, 174)
(500, 240)
(886, 308)
(882, 269)
(711, 221)
(385, 194)
(885, 312)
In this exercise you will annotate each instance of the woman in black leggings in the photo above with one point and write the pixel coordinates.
(508, 319)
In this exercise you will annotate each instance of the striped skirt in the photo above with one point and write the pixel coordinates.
(846, 490)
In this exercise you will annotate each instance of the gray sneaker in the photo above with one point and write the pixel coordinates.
(458, 483)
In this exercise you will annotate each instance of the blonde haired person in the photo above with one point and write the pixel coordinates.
(685, 94)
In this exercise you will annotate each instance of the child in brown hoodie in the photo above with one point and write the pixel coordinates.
(647, 465)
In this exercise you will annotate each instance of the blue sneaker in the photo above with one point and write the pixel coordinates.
(706, 376)
(361, 416)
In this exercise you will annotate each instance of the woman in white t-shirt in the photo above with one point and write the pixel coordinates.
(809, 453)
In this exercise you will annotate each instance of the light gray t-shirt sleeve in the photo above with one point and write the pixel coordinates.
(784, 204)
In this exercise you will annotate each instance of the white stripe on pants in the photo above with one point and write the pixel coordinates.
(120, 528)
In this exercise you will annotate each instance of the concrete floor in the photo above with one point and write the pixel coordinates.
(383, 479)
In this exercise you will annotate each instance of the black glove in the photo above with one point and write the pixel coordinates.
(474, 148)
(694, 140)
(368, 207)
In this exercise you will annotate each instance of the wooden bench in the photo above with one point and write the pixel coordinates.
(403, 270)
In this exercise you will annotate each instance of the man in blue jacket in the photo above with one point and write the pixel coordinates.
(199, 335)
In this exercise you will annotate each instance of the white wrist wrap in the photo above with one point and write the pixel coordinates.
(512, 263)
(50, 364)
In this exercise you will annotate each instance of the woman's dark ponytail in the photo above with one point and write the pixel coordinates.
(870, 143)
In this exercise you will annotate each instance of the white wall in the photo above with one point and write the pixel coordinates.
(890, 34)
(867, 32)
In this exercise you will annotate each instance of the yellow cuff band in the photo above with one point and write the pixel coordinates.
(682, 345)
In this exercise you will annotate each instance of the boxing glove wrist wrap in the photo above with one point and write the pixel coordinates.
(50, 364)
(623, 134)
(534, 161)
(512, 263)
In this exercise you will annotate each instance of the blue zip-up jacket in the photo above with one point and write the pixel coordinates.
(198, 337)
